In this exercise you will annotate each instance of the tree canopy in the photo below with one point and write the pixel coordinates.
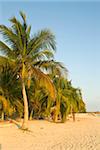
(32, 83)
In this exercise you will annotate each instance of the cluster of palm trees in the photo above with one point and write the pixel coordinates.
(32, 83)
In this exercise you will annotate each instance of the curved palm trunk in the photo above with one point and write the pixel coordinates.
(25, 120)
(73, 114)
(31, 114)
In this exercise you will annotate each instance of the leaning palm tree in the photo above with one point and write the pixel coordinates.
(26, 53)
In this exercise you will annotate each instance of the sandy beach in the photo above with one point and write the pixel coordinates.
(83, 134)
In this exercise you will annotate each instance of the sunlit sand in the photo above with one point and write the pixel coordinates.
(83, 134)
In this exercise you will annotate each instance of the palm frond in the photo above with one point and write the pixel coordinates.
(4, 101)
(45, 81)
(54, 68)
(28, 32)
(43, 55)
(5, 49)
(9, 35)
(23, 16)
(3, 62)
(18, 29)
(43, 39)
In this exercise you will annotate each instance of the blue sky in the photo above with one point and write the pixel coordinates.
(76, 26)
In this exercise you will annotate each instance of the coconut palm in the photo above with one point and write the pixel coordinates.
(61, 98)
(76, 103)
(25, 53)
(68, 99)
(58, 74)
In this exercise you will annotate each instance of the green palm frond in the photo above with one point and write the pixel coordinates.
(52, 67)
(43, 55)
(23, 16)
(18, 105)
(18, 29)
(45, 81)
(3, 60)
(5, 49)
(43, 39)
(8, 35)
(28, 32)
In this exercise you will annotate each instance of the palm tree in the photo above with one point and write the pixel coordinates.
(58, 74)
(76, 103)
(68, 99)
(61, 98)
(26, 53)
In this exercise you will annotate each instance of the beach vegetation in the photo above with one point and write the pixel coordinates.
(32, 83)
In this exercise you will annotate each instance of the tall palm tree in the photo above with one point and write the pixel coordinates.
(61, 98)
(58, 74)
(25, 53)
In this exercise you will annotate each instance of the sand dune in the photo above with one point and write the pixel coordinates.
(84, 134)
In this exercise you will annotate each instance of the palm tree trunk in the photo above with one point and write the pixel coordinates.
(31, 114)
(25, 120)
(63, 118)
(57, 110)
(2, 116)
(56, 116)
(73, 114)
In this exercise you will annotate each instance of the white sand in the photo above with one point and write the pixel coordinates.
(84, 134)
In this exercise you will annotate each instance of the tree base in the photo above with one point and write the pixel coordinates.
(24, 126)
